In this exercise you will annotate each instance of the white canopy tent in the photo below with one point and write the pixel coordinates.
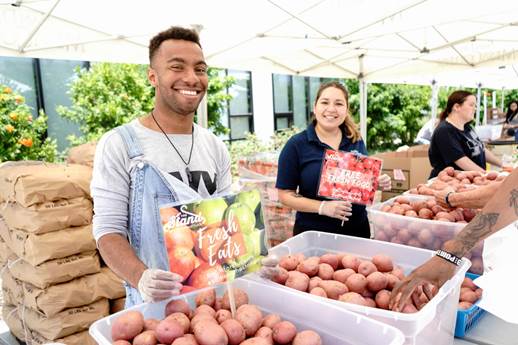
(414, 41)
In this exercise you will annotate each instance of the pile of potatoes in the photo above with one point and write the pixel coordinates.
(422, 234)
(459, 181)
(344, 277)
(469, 294)
(211, 323)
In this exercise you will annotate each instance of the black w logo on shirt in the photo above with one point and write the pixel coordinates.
(196, 176)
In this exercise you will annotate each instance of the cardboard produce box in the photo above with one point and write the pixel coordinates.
(406, 169)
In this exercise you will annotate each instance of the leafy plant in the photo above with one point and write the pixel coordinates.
(108, 95)
(22, 138)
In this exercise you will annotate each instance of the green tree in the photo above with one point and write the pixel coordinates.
(22, 138)
(395, 113)
(108, 95)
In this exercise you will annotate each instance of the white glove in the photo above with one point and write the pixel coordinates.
(384, 182)
(155, 285)
(270, 267)
(335, 209)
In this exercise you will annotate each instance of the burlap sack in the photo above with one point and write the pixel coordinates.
(48, 216)
(117, 305)
(56, 271)
(5, 253)
(36, 249)
(31, 337)
(82, 154)
(75, 293)
(11, 288)
(65, 323)
(29, 183)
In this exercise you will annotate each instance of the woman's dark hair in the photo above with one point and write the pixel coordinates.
(511, 114)
(348, 126)
(457, 97)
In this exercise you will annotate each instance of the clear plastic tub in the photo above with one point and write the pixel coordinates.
(335, 325)
(432, 325)
(418, 232)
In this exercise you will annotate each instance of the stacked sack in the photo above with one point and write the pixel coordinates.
(53, 284)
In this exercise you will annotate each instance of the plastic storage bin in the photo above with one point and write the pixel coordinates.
(399, 229)
(467, 319)
(432, 325)
(335, 325)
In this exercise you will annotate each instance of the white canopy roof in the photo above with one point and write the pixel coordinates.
(386, 41)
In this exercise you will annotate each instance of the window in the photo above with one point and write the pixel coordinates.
(282, 101)
(18, 74)
(240, 110)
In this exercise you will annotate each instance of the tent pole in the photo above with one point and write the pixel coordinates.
(479, 86)
(202, 112)
(502, 101)
(363, 110)
(433, 101)
(33, 32)
(484, 121)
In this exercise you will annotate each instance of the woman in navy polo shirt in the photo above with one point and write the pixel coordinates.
(454, 142)
(301, 160)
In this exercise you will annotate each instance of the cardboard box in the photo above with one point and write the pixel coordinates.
(414, 165)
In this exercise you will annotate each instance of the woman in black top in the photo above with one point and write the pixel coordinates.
(512, 113)
(454, 142)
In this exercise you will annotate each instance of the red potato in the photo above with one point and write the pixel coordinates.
(207, 297)
(234, 330)
(413, 242)
(217, 303)
(398, 272)
(168, 330)
(265, 332)
(468, 296)
(289, 262)
(284, 332)
(318, 291)
(187, 339)
(396, 209)
(209, 333)
(182, 319)
(281, 277)
(409, 309)
(150, 324)
(204, 308)
(309, 266)
(380, 235)
(411, 213)
(406, 207)
(426, 237)
(240, 298)
(333, 288)
(377, 281)
(343, 274)
(478, 292)
(307, 337)
(402, 200)
(313, 283)
(145, 338)
(465, 305)
(352, 297)
(223, 315)
(382, 299)
(383, 262)
(404, 235)
(425, 213)
(325, 271)
(256, 341)
(369, 302)
(351, 261)
(366, 268)
(201, 317)
(356, 283)
(445, 215)
(392, 280)
(297, 280)
(121, 342)
(386, 208)
(330, 259)
(250, 317)
(468, 283)
(127, 326)
(178, 306)
(270, 320)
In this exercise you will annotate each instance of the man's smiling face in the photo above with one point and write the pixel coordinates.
(179, 73)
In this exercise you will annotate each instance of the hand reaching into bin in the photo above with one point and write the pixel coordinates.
(155, 285)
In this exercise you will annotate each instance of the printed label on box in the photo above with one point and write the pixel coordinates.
(349, 176)
(214, 240)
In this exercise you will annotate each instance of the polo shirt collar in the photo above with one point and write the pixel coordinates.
(312, 137)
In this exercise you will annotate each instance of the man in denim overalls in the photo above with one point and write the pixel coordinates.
(160, 158)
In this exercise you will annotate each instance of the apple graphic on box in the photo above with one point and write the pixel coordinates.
(212, 210)
(239, 217)
(253, 243)
(250, 198)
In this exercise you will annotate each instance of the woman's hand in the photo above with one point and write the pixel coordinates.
(384, 182)
(336, 209)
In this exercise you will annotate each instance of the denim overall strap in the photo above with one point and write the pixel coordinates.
(149, 190)
(129, 137)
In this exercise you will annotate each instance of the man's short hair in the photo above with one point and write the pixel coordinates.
(173, 33)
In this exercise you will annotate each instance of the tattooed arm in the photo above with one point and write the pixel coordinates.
(500, 211)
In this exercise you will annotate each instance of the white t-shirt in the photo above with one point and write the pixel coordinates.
(110, 186)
